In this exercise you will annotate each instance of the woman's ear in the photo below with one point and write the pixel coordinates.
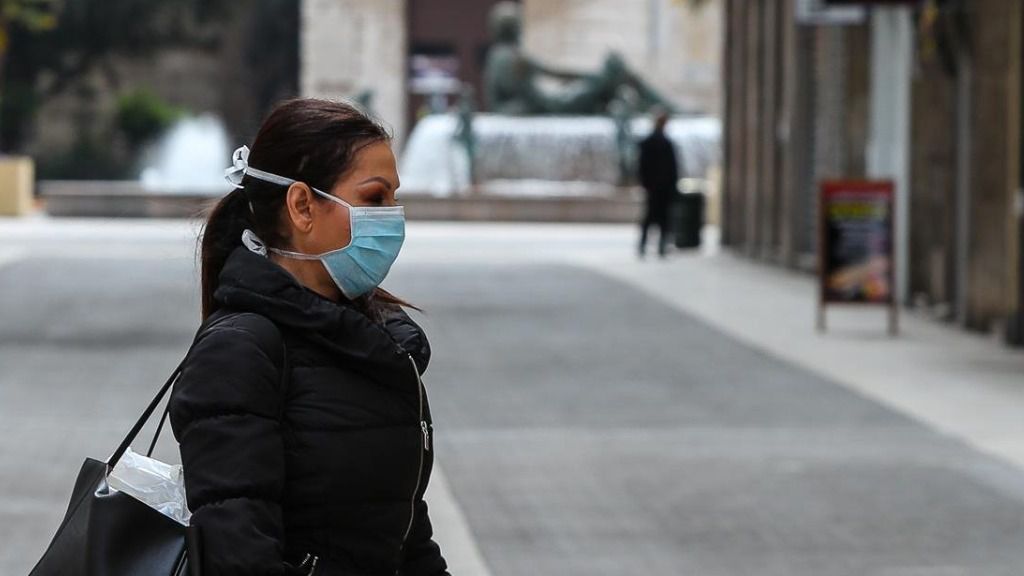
(299, 200)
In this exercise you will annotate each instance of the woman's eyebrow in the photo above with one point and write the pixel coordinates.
(380, 179)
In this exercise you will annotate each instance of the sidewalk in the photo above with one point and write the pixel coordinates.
(962, 384)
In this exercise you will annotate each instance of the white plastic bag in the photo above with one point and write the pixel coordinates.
(156, 484)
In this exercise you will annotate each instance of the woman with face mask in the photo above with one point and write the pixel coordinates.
(303, 424)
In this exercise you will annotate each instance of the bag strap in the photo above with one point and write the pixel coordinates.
(167, 407)
(116, 456)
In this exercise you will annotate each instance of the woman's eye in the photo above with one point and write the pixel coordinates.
(373, 200)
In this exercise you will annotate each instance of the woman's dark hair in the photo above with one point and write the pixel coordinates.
(305, 139)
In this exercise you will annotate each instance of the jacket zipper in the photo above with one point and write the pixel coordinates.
(426, 447)
(312, 567)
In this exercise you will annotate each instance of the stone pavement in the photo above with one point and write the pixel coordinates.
(594, 414)
(684, 417)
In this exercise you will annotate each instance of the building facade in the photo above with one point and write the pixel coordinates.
(927, 94)
(351, 46)
(675, 44)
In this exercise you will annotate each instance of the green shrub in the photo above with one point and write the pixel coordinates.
(143, 116)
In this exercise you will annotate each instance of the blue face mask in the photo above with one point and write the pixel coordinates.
(377, 237)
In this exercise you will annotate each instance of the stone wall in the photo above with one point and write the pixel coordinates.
(353, 45)
(676, 46)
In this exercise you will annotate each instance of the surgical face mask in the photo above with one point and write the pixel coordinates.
(377, 236)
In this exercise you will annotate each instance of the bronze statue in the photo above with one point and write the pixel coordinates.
(512, 78)
(464, 134)
(625, 143)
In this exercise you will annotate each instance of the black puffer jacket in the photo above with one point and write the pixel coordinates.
(331, 460)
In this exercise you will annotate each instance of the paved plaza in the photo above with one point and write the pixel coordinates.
(594, 415)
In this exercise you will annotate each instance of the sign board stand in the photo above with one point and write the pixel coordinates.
(856, 262)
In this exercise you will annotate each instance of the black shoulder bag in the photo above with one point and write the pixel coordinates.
(108, 533)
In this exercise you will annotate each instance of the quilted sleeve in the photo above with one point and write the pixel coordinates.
(224, 412)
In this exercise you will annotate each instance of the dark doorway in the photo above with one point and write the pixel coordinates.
(446, 38)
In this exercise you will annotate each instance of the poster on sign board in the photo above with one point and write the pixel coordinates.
(856, 251)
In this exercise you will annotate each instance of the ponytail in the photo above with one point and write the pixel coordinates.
(222, 233)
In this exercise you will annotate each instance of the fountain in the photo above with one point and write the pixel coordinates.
(556, 141)
(189, 159)
(183, 175)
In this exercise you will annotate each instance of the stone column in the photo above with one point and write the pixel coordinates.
(889, 142)
(734, 130)
(353, 45)
(754, 126)
(770, 105)
(992, 282)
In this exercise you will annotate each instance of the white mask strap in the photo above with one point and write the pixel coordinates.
(295, 255)
(240, 167)
(257, 246)
(332, 198)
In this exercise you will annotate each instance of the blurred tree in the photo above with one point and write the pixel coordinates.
(28, 15)
(88, 35)
(33, 15)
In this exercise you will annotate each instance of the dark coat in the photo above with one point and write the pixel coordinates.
(332, 460)
(658, 170)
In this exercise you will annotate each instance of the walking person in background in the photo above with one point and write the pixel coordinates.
(658, 176)
(303, 425)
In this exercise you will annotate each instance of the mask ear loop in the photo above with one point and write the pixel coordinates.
(253, 243)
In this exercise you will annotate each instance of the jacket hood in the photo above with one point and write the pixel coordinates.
(253, 283)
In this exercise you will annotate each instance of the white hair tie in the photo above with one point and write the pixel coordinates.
(239, 166)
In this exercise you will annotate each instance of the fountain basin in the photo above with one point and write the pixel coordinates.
(128, 199)
(567, 154)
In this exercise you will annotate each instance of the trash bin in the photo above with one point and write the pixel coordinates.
(689, 219)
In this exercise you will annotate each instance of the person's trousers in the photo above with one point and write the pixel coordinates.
(655, 217)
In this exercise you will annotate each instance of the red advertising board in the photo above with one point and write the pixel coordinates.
(856, 252)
